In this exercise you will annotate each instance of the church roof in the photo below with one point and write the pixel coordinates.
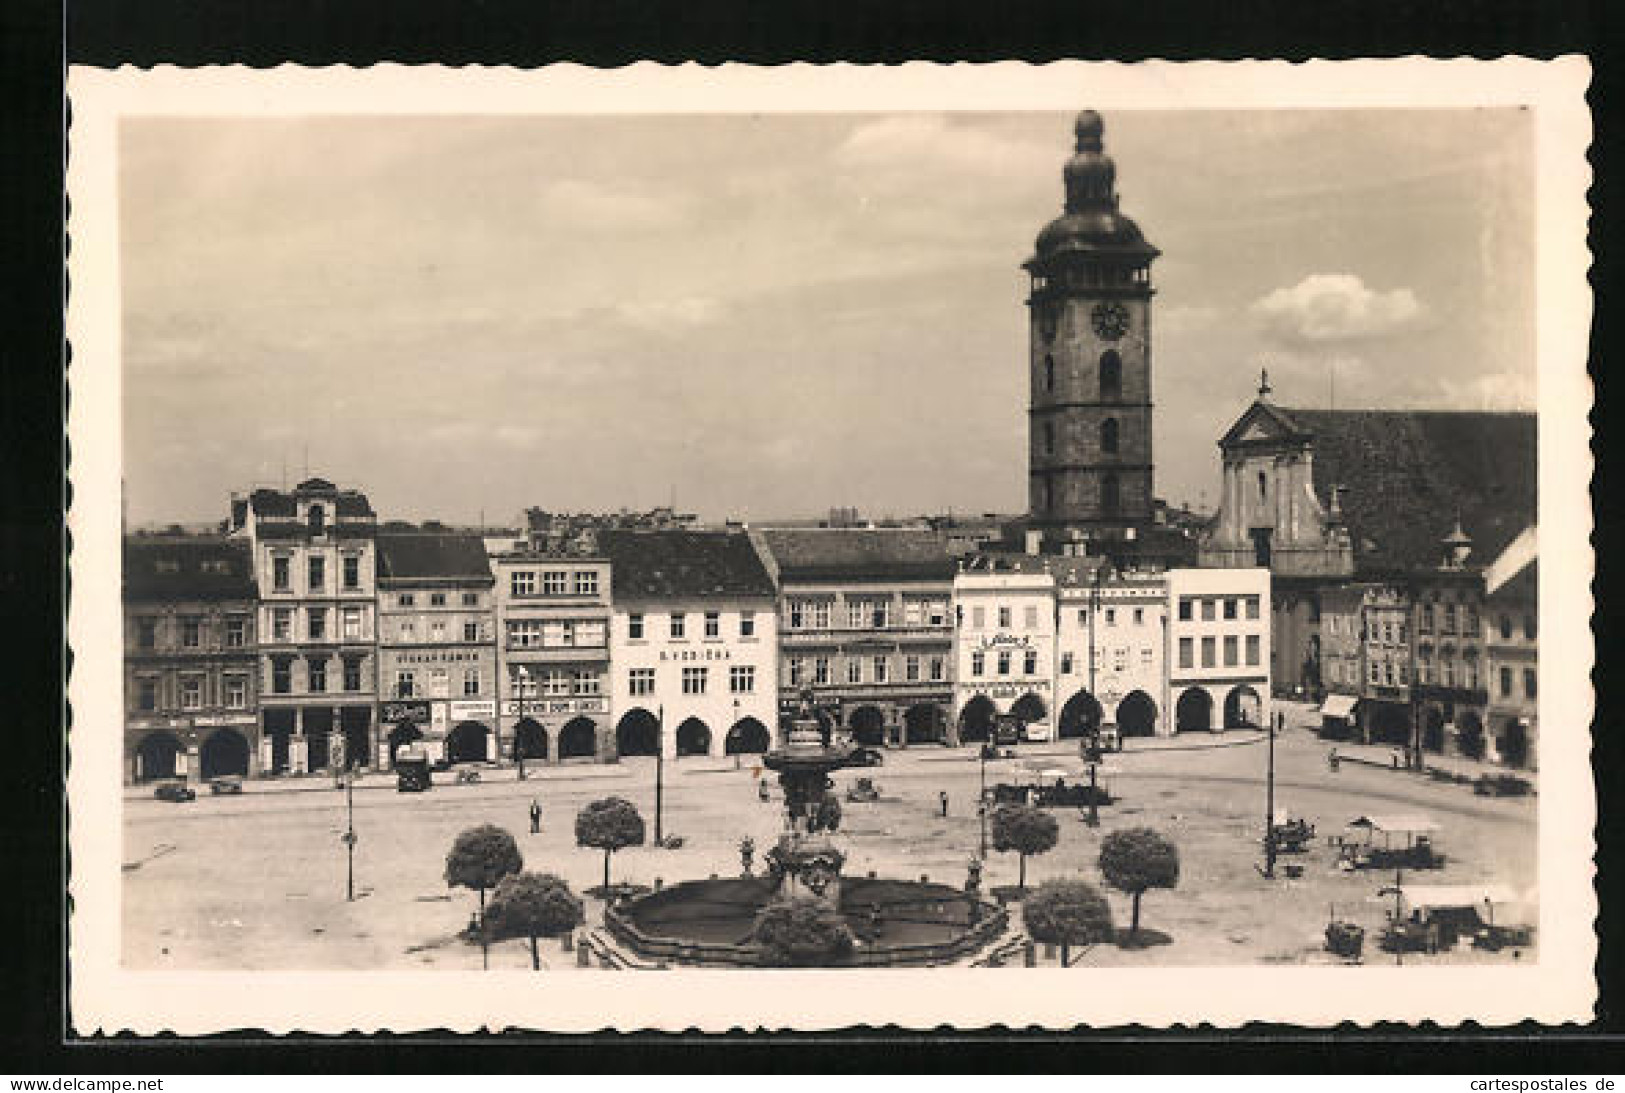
(812, 554)
(668, 564)
(1408, 474)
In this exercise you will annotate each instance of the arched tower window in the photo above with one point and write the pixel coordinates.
(1049, 438)
(318, 519)
(1109, 493)
(1263, 486)
(1049, 373)
(1111, 375)
(1108, 436)
(1049, 495)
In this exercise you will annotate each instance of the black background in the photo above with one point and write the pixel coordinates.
(37, 1036)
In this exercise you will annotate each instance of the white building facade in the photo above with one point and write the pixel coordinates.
(1004, 649)
(1111, 652)
(1219, 642)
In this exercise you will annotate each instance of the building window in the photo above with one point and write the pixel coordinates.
(1209, 610)
(1263, 487)
(1231, 659)
(936, 613)
(437, 630)
(1066, 664)
(1049, 438)
(1506, 627)
(1139, 616)
(1373, 672)
(588, 683)
(978, 663)
(1425, 624)
(640, 681)
(1230, 609)
(191, 693)
(407, 599)
(557, 682)
(471, 599)
(352, 673)
(405, 683)
(522, 582)
(820, 669)
(978, 617)
(316, 623)
(281, 573)
(1529, 683)
(352, 624)
(409, 630)
(437, 599)
(316, 674)
(677, 624)
(236, 692)
(795, 671)
(522, 682)
(797, 615)
(146, 633)
(1004, 618)
(471, 682)
(1187, 648)
(882, 670)
(1252, 650)
(1146, 656)
(236, 633)
(854, 670)
(317, 566)
(911, 668)
(1004, 662)
(634, 626)
(742, 679)
(1186, 610)
(146, 694)
(471, 631)
(938, 666)
(555, 582)
(524, 633)
(713, 624)
(1031, 617)
(1450, 618)
(586, 582)
(281, 675)
(1111, 616)
(1208, 648)
(1506, 681)
(857, 614)
(694, 680)
(1111, 375)
(281, 624)
(747, 624)
(1030, 662)
(191, 633)
(352, 572)
(1529, 627)
(1108, 436)
(1049, 373)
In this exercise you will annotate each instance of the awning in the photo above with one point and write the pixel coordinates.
(1459, 895)
(1338, 706)
(1413, 823)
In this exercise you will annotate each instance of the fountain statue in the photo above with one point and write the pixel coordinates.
(806, 861)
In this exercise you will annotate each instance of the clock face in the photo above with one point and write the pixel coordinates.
(1110, 320)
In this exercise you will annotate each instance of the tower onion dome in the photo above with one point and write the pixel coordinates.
(1091, 223)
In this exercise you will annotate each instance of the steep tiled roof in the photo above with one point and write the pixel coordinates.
(666, 564)
(406, 556)
(186, 568)
(275, 504)
(1407, 474)
(859, 553)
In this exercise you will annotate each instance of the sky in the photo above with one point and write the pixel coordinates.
(764, 316)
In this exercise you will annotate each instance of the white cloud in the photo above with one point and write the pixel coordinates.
(1495, 391)
(923, 143)
(688, 313)
(1336, 307)
(593, 206)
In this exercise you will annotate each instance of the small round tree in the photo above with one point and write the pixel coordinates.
(1136, 859)
(1026, 830)
(609, 825)
(1067, 913)
(532, 905)
(802, 932)
(480, 858)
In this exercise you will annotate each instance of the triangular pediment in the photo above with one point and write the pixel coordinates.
(1261, 424)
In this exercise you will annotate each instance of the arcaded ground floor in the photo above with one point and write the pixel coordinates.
(257, 881)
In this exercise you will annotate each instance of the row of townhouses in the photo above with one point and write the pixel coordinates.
(309, 638)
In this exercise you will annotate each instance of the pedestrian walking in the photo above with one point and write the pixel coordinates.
(535, 817)
(942, 798)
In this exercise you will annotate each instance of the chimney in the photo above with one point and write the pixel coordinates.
(1035, 540)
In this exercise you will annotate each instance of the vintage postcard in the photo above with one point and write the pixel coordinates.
(801, 548)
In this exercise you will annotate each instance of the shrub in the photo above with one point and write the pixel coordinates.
(802, 932)
(532, 905)
(1025, 830)
(1067, 913)
(1470, 739)
(1136, 859)
(609, 825)
(480, 858)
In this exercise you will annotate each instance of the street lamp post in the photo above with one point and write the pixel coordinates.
(981, 804)
(523, 676)
(660, 772)
(1269, 807)
(349, 836)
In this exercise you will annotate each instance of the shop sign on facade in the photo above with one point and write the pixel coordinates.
(212, 720)
(395, 712)
(473, 709)
(536, 707)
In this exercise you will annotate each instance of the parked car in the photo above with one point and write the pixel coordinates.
(177, 792)
(412, 771)
(863, 789)
(225, 786)
(1502, 785)
(866, 757)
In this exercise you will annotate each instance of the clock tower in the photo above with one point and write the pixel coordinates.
(1089, 436)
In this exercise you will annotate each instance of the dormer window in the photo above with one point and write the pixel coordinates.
(317, 518)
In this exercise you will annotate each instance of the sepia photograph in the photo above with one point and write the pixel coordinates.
(1052, 538)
